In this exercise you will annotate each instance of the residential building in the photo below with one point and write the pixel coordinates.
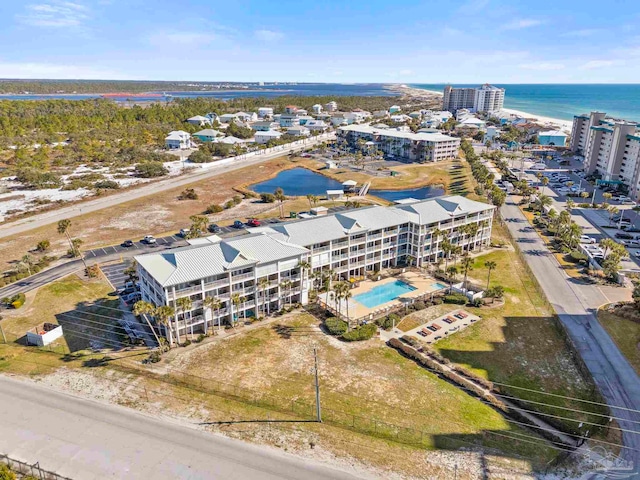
(416, 115)
(331, 106)
(231, 140)
(580, 130)
(400, 118)
(213, 117)
(199, 120)
(472, 123)
(420, 147)
(316, 125)
(264, 112)
(304, 119)
(178, 140)
(265, 137)
(290, 109)
(264, 126)
(262, 270)
(208, 135)
(317, 108)
(289, 120)
(227, 118)
(380, 114)
(247, 117)
(394, 109)
(298, 131)
(486, 98)
(552, 137)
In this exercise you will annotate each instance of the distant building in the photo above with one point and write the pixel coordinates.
(316, 125)
(486, 98)
(472, 123)
(264, 126)
(553, 137)
(265, 137)
(394, 109)
(290, 109)
(231, 140)
(246, 117)
(317, 108)
(207, 135)
(380, 114)
(178, 140)
(199, 120)
(289, 120)
(331, 106)
(265, 112)
(227, 118)
(299, 131)
(303, 119)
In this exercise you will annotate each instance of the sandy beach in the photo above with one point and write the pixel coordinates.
(552, 123)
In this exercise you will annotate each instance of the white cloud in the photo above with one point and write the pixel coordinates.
(57, 71)
(56, 13)
(522, 23)
(184, 38)
(542, 66)
(268, 35)
(593, 64)
(585, 32)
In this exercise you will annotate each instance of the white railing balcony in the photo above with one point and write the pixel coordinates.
(337, 258)
(374, 237)
(340, 244)
(190, 290)
(321, 249)
(218, 283)
(242, 276)
(358, 241)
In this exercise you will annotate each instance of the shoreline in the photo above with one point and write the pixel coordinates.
(550, 122)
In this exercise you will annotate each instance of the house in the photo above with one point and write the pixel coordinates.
(463, 113)
(199, 120)
(303, 119)
(416, 115)
(553, 137)
(351, 244)
(335, 194)
(492, 133)
(290, 109)
(213, 117)
(178, 140)
(394, 109)
(331, 106)
(301, 112)
(231, 140)
(316, 125)
(472, 123)
(317, 108)
(298, 131)
(264, 112)
(330, 165)
(207, 135)
(380, 114)
(338, 119)
(265, 137)
(289, 120)
(227, 118)
(264, 126)
(246, 117)
(402, 118)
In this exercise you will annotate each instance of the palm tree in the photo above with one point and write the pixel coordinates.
(304, 266)
(490, 265)
(456, 251)
(467, 264)
(184, 305)
(28, 261)
(211, 303)
(285, 285)
(544, 201)
(338, 290)
(452, 271)
(612, 211)
(328, 275)
(63, 229)
(263, 283)
(280, 197)
(236, 300)
(162, 315)
(346, 295)
(472, 230)
(545, 182)
(435, 236)
(570, 205)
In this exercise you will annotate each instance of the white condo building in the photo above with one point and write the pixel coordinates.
(610, 148)
(486, 98)
(420, 147)
(264, 266)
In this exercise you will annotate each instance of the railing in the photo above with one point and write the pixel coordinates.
(340, 245)
(374, 237)
(218, 283)
(243, 276)
(321, 249)
(358, 241)
(184, 291)
(33, 471)
(292, 278)
(339, 257)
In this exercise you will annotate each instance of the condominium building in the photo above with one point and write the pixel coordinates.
(274, 264)
(610, 147)
(486, 98)
(420, 147)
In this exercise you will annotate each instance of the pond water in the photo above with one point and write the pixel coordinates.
(298, 182)
(417, 193)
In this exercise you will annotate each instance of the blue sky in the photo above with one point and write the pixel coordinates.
(472, 41)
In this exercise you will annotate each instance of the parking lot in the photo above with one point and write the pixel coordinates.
(115, 274)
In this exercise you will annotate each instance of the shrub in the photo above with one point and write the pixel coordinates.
(577, 256)
(36, 268)
(186, 343)
(200, 338)
(236, 199)
(188, 194)
(6, 473)
(214, 208)
(229, 204)
(43, 245)
(386, 323)
(17, 300)
(335, 326)
(93, 271)
(457, 298)
(437, 301)
(150, 170)
(200, 156)
(267, 197)
(363, 332)
(154, 357)
(420, 305)
(107, 184)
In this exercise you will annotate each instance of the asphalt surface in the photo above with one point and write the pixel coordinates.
(576, 304)
(84, 439)
(82, 208)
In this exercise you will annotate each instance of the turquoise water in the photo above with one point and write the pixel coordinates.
(383, 293)
(438, 285)
(563, 101)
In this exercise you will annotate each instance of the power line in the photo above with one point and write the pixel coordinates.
(79, 319)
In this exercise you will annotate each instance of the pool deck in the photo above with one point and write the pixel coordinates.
(443, 329)
(423, 285)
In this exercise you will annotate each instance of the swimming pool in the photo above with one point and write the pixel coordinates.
(439, 286)
(383, 293)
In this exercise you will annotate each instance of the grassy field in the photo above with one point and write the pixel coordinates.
(518, 343)
(625, 333)
(87, 314)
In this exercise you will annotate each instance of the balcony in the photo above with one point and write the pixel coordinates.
(374, 237)
(340, 244)
(216, 284)
(337, 258)
(358, 241)
(242, 276)
(321, 249)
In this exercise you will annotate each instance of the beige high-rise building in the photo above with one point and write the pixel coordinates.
(486, 98)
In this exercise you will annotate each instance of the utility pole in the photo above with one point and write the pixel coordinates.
(318, 411)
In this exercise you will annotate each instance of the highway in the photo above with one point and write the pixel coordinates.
(84, 439)
(82, 208)
(576, 304)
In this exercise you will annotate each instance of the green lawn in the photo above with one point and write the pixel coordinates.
(625, 333)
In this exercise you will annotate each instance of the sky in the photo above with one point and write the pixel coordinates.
(472, 41)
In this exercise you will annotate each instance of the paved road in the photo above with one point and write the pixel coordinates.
(576, 304)
(84, 439)
(89, 206)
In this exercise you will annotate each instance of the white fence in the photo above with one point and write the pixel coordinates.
(471, 295)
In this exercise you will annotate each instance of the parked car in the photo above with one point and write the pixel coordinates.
(628, 201)
(213, 228)
(587, 239)
(624, 236)
(127, 243)
(630, 228)
(184, 232)
(238, 224)
(126, 291)
(132, 297)
(149, 240)
(253, 222)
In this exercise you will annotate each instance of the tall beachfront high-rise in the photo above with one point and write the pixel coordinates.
(486, 98)
(611, 148)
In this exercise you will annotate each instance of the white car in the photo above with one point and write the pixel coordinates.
(563, 190)
(149, 240)
(587, 239)
(184, 232)
(627, 201)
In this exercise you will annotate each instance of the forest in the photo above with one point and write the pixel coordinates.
(100, 132)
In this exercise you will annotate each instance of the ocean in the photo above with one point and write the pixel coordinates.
(563, 101)
(302, 89)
